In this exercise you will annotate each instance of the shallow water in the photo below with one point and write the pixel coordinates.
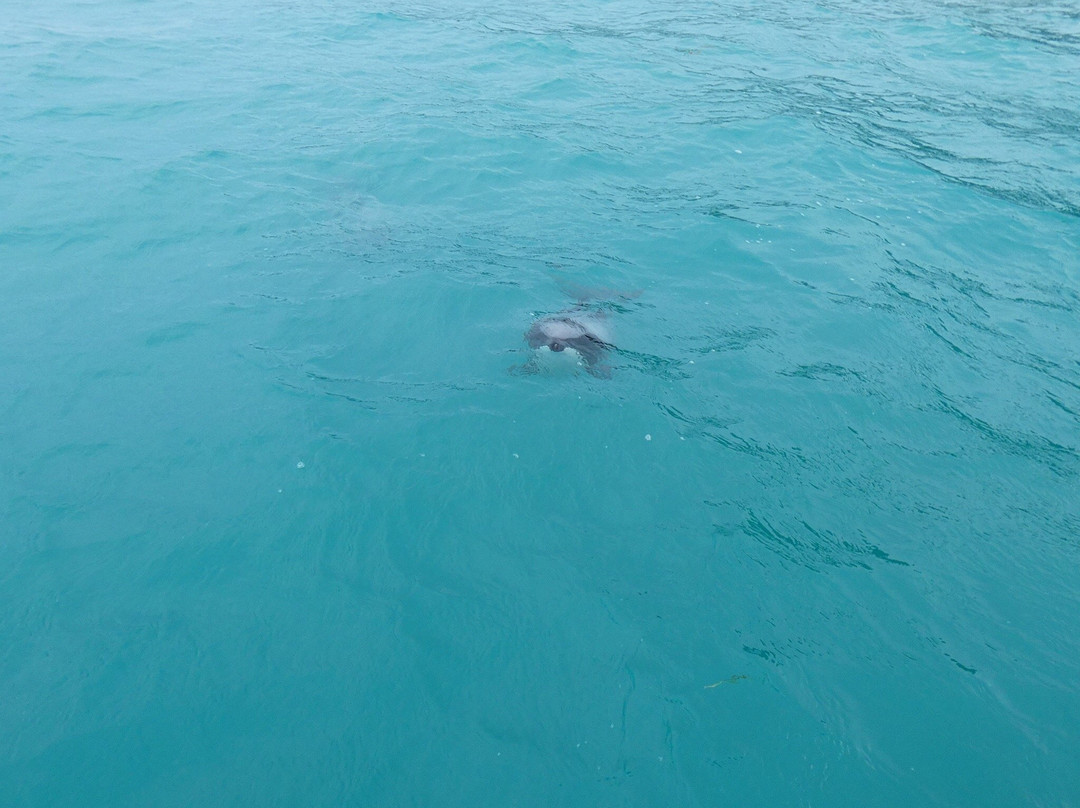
(284, 523)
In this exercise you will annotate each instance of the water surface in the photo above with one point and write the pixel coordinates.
(282, 526)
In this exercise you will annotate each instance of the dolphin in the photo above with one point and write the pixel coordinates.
(583, 331)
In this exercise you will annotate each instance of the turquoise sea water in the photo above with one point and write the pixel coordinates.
(283, 523)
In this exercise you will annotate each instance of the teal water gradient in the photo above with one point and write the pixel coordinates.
(280, 527)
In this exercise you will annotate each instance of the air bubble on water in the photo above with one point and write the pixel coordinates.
(648, 437)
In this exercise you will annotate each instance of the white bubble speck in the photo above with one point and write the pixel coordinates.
(691, 361)
(300, 464)
(648, 437)
(279, 490)
(516, 455)
(738, 151)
